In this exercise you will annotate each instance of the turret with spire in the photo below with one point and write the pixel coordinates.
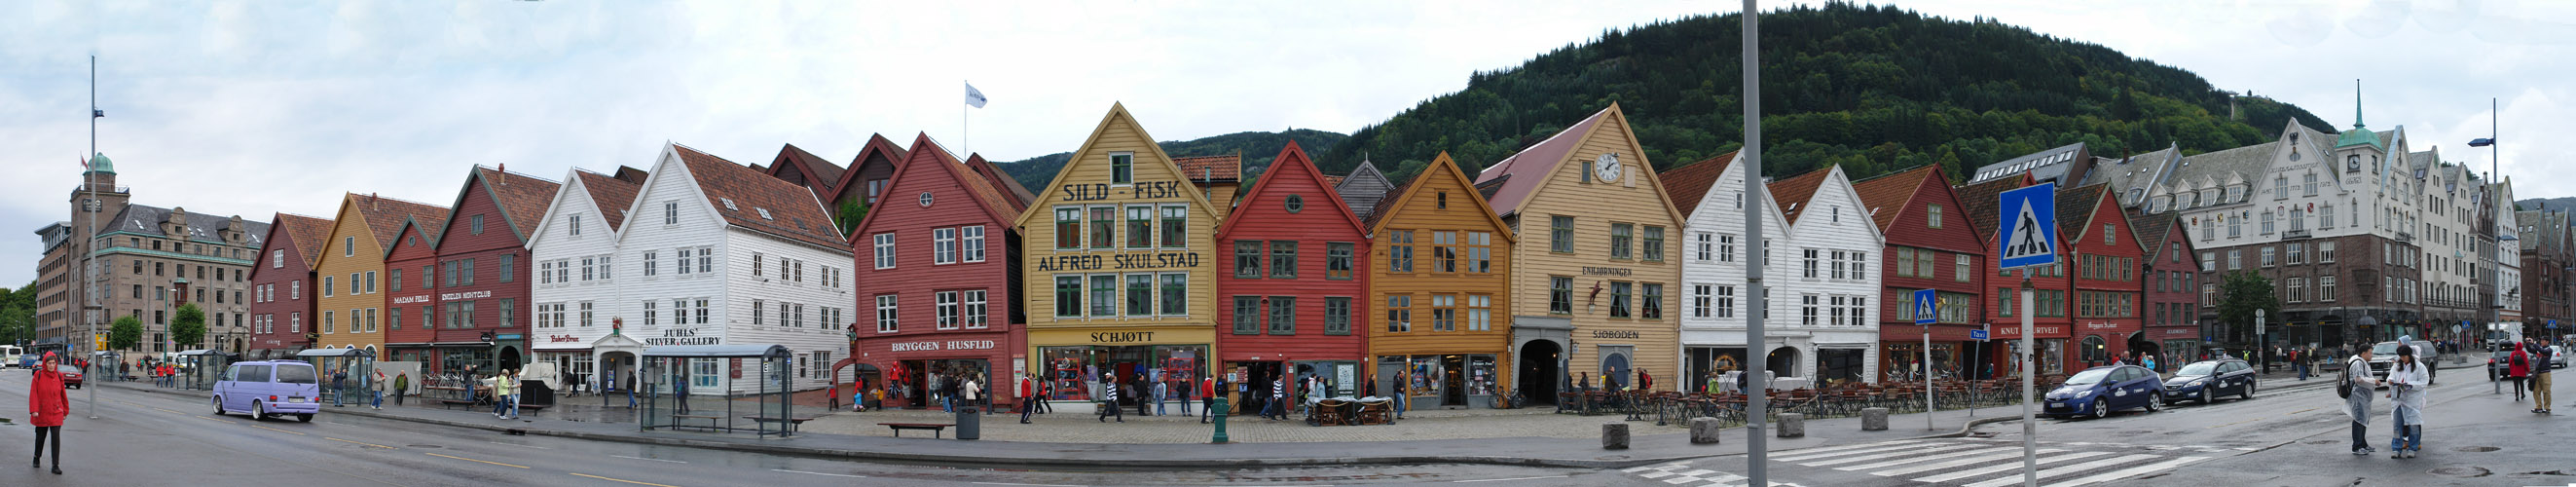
(2359, 134)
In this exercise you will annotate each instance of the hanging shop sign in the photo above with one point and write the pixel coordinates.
(933, 346)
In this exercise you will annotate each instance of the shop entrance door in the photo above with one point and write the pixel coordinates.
(1453, 380)
(1538, 371)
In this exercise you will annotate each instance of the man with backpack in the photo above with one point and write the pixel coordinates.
(2355, 386)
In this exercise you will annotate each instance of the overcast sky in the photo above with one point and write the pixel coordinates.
(256, 107)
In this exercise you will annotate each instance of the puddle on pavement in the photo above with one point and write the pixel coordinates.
(2461, 471)
(2476, 449)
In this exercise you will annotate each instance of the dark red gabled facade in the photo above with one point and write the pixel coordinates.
(2171, 289)
(1931, 244)
(410, 298)
(2106, 266)
(481, 273)
(1311, 315)
(953, 247)
(2051, 325)
(868, 174)
(282, 304)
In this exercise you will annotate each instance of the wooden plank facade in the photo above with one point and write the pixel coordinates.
(353, 258)
(1420, 283)
(941, 256)
(1932, 243)
(1294, 281)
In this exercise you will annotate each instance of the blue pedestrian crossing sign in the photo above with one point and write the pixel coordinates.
(2029, 227)
(1926, 310)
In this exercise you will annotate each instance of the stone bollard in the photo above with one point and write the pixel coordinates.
(1704, 431)
(1793, 425)
(1614, 436)
(1873, 419)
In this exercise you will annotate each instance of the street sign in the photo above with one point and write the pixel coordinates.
(1977, 335)
(1926, 310)
(2029, 224)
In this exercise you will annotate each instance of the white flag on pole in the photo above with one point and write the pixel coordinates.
(974, 97)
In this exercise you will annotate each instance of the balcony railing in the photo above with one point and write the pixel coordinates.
(2295, 234)
(2405, 237)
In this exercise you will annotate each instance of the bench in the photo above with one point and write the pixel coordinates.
(935, 428)
(792, 422)
(453, 403)
(711, 421)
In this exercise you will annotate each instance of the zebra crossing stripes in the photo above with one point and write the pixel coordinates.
(2131, 472)
(1883, 456)
(1674, 473)
(1802, 456)
(2013, 453)
(2015, 479)
(1927, 458)
(2008, 466)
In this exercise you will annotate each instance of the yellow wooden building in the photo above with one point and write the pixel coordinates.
(1441, 264)
(1119, 267)
(349, 275)
(1595, 275)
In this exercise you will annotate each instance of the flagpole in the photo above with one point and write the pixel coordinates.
(966, 122)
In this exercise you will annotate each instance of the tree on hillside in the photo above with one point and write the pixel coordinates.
(125, 333)
(189, 327)
(2239, 295)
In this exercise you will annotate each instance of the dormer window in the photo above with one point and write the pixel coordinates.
(728, 202)
(764, 213)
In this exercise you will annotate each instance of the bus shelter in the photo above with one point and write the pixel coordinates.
(199, 369)
(672, 375)
(344, 372)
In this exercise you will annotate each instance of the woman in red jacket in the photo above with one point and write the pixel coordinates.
(46, 406)
(2517, 369)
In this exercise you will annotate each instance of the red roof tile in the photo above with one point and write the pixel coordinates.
(794, 214)
(310, 234)
(612, 194)
(385, 217)
(522, 198)
(820, 175)
(1793, 193)
(1888, 194)
(1002, 181)
(1211, 168)
(1982, 198)
(1331, 181)
(2075, 209)
(1532, 165)
(877, 144)
(1687, 184)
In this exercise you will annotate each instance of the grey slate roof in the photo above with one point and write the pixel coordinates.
(1363, 188)
(202, 227)
(2136, 177)
(2047, 165)
(2218, 170)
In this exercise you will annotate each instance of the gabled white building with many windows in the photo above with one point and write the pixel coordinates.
(708, 252)
(573, 295)
(1825, 251)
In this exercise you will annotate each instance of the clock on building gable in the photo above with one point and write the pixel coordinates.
(1607, 168)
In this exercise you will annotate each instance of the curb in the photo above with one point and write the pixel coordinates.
(1058, 462)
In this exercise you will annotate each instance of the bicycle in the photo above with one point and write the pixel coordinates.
(1509, 400)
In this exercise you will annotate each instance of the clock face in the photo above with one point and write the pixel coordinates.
(1608, 167)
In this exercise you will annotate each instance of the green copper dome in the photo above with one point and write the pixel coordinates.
(2359, 134)
(99, 164)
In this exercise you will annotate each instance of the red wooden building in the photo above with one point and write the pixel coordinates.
(2172, 308)
(411, 299)
(2050, 326)
(476, 282)
(1297, 279)
(938, 253)
(2106, 260)
(281, 308)
(1932, 243)
(866, 178)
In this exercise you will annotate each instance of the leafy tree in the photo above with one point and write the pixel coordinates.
(125, 333)
(189, 326)
(2240, 294)
(851, 212)
(18, 314)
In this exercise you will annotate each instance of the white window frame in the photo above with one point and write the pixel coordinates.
(883, 245)
(945, 304)
(943, 246)
(888, 320)
(974, 242)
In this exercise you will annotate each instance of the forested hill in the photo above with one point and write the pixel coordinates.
(1258, 148)
(1872, 88)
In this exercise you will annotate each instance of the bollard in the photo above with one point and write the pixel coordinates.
(1219, 413)
(1704, 431)
(1614, 435)
(1873, 419)
(1793, 425)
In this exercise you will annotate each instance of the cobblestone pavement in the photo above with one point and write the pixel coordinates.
(1069, 427)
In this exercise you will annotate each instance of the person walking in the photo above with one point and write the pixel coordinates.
(1162, 392)
(2540, 364)
(2517, 368)
(1109, 399)
(1403, 392)
(47, 404)
(402, 386)
(1028, 402)
(2356, 388)
(2299, 360)
(968, 388)
(379, 395)
(2406, 380)
(505, 395)
(1207, 397)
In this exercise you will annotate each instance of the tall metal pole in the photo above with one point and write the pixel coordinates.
(2029, 426)
(1751, 158)
(92, 205)
(1927, 379)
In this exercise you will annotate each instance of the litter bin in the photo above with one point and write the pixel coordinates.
(969, 423)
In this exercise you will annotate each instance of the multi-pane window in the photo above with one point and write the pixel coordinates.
(1399, 313)
(1122, 168)
(1725, 248)
(944, 303)
(1247, 315)
(1140, 227)
(651, 265)
(1175, 226)
(1444, 251)
(1140, 295)
(1176, 290)
(1480, 312)
(2326, 288)
(1337, 260)
(1620, 295)
(1560, 234)
(1932, 216)
(1960, 267)
(1444, 312)
(1809, 269)
(1703, 246)
(2208, 295)
(882, 245)
(1104, 295)
(1337, 316)
(1104, 227)
(886, 314)
(943, 246)
(1399, 252)
(1480, 252)
(1068, 296)
(1700, 300)
(2298, 253)
(1247, 259)
(1622, 235)
(2325, 252)
(2325, 216)
(2267, 256)
(1560, 295)
(1807, 313)
(1283, 259)
(1283, 315)
(1838, 266)
(2298, 290)
(1068, 228)
(974, 245)
(1654, 244)
(1651, 304)
(976, 317)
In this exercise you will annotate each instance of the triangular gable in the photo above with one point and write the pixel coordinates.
(809, 170)
(308, 235)
(509, 193)
(1687, 185)
(413, 226)
(1550, 155)
(1441, 167)
(876, 145)
(1020, 195)
(1792, 193)
(668, 165)
(1888, 196)
(926, 151)
(585, 183)
(1303, 165)
(605, 193)
(1118, 114)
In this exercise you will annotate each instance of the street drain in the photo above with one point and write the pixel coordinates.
(427, 446)
(2476, 449)
(2461, 472)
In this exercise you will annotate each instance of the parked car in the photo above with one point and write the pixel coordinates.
(71, 376)
(2385, 353)
(2499, 364)
(2100, 390)
(269, 388)
(2557, 357)
(2207, 380)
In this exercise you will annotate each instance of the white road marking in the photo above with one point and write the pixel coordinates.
(653, 459)
(1955, 454)
(1656, 474)
(2015, 479)
(820, 473)
(2008, 466)
(1796, 458)
(2131, 472)
(1029, 485)
(1804, 451)
(2014, 453)
(1865, 458)
(519, 445)
(1511, 479)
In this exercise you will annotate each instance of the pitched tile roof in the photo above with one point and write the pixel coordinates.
(2044, 165)
(1386, 203)
(1019, 196)
(877, 144)
(2152, 228)
(385, 217)
(820, 176)
(927, 151)
(613, 195)
(1535, 161)
(2075, 210)
(1686, 185)
(1888, 194)
(1211, 168)
(1793, 193)
(309, 233)
(794, 214)
(1334, 181)
(522, 198)
(1981, 200)
(1362, 188)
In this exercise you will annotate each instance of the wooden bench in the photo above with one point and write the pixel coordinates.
(935, 428)
(711, 421)
(792, 422)
(452, 403)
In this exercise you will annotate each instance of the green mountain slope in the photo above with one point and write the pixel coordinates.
(1872, 88)
(1258, 148)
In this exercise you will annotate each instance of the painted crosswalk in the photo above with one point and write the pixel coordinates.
(1972, 462)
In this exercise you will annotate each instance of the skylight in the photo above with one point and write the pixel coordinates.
(728, 202)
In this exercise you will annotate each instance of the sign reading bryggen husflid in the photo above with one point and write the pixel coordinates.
(1119, 279)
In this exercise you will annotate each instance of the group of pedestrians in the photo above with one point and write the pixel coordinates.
(2405, 380)
(2528, 364)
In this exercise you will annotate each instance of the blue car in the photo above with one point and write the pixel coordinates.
(2207, 380)
(2098, 391)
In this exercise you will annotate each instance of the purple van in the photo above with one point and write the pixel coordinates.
(269, 388)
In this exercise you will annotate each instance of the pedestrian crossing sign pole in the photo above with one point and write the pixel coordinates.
(2027, 240)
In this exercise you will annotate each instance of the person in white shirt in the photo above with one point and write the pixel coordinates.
(2406, 380)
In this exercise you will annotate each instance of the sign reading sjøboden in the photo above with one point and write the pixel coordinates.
(1926, 309)
(2029, 227)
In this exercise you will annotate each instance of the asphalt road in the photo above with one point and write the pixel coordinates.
(157, 439)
